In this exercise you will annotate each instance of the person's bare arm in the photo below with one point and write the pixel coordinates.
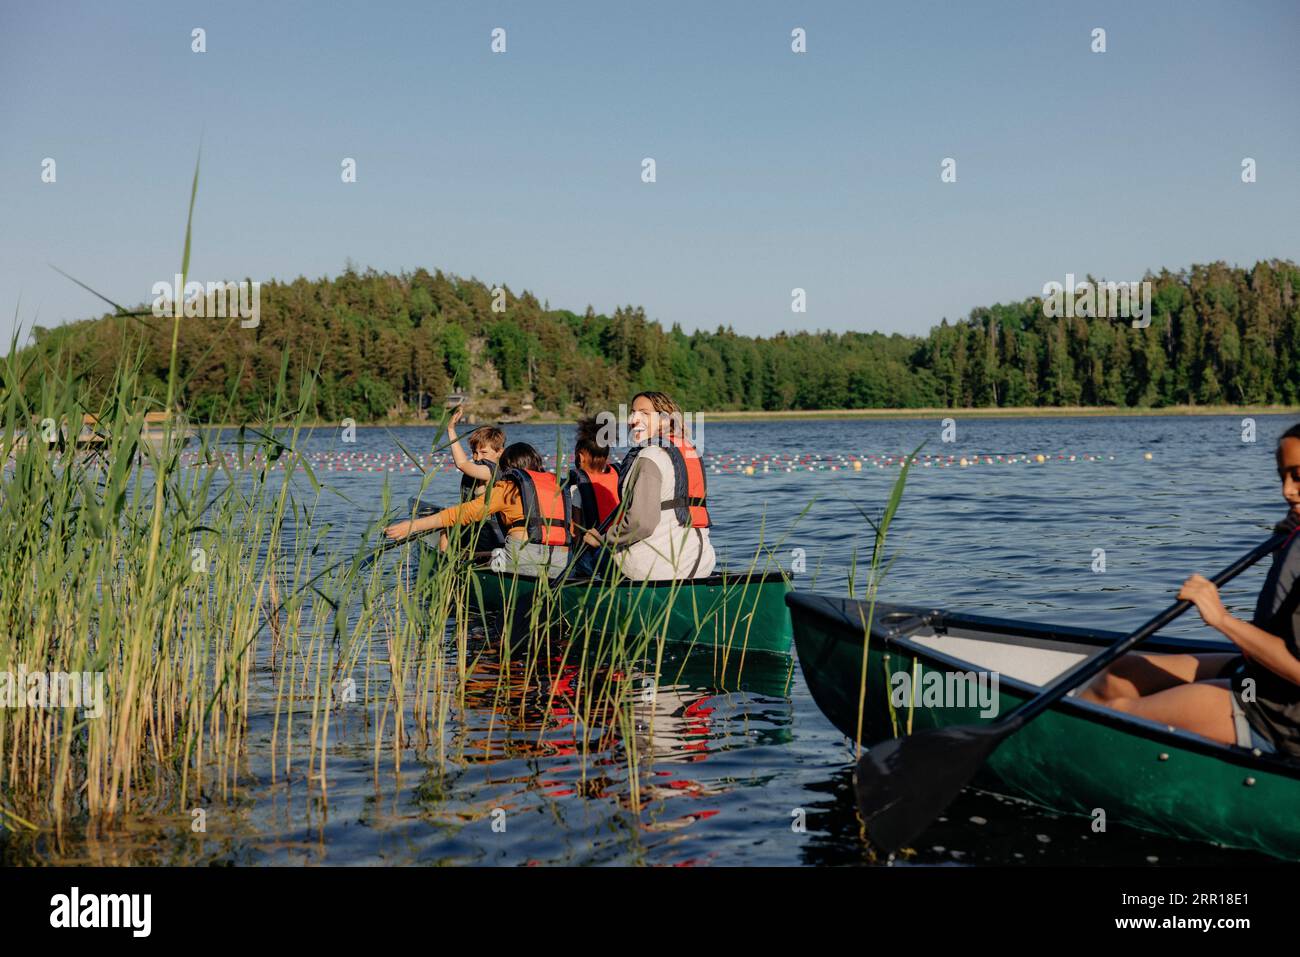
(467, 513)
(641, 516)
(1257, 644)
(479, 473)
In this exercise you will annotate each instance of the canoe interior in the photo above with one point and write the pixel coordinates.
(1034, 664)
(1028, 652)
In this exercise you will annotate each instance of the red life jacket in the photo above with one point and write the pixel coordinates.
(546, 507)
(597, 493)
(690, 487)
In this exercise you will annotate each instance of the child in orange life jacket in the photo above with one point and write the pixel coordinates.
(529, 506)
(593, 487)
(479, 468)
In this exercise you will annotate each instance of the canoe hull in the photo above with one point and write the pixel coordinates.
(1077, 757)
(734, 614)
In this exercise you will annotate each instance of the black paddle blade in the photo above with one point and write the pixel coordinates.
(905, 783)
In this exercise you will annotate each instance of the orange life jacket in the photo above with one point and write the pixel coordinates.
(546, 507)
(597, 494)
(690, 487)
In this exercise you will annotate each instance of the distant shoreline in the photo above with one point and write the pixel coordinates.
(1011, 412)
(1026, 412)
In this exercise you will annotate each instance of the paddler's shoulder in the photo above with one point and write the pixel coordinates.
(654, 454)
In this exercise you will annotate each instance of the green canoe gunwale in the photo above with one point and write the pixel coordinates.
(895, 635)
(714, 580)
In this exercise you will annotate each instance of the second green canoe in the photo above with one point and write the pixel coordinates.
(1075, 758)
(735, 613)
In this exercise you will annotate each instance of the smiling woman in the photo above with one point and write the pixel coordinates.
(661, 530)
(1251, 699)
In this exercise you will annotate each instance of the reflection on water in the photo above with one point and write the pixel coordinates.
(988, 829)
(531, 764)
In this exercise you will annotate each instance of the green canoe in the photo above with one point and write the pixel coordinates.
(734, 613)
(1075, 758)
(730, 613)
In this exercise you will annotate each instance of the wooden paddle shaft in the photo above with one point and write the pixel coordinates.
(1093, 666)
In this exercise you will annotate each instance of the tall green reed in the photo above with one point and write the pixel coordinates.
(185, 569)
(877, 568)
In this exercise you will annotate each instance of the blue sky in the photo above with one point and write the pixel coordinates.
(775, 170)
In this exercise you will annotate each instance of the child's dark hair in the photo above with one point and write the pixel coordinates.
(589, 441)
(521, 455)
(487, 436)
(1291, 433)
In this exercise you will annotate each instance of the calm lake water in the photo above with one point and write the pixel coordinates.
(732, 766)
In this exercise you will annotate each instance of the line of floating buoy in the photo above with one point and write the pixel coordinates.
(716, 463)
(761, 464)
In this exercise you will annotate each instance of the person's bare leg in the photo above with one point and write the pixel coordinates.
(1137, 675)
(1202, 707)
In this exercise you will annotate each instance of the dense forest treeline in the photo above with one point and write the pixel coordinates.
(382, 345)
